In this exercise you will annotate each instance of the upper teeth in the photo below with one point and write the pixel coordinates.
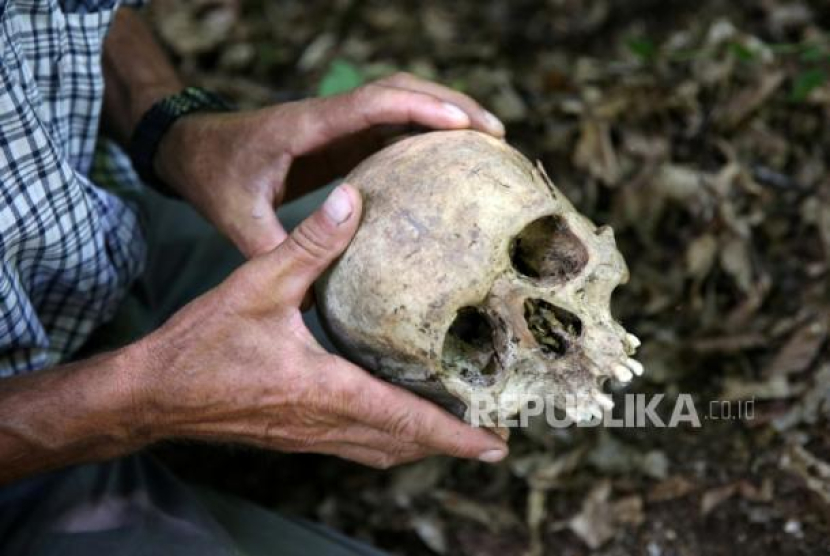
(623, 373)
(586, 412)
(632, 340)
(605, 401)
(635, 366)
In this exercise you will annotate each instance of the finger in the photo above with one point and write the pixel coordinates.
(379, 459)
(360, 434)
(313, 245)
(481, 118)
(357, 434)
(501, 432)
(411, 419)
(330, 118)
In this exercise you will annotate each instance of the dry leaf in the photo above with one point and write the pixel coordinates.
(701, 255)
(595, 152)
(735, 260)
(194, 26)
(671, 488)
(494, 517)
(814, 472)
(742, 105)
(600, 519)
(800, 350)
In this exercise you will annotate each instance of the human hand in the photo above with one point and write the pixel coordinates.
(239, 365)
(236, 168)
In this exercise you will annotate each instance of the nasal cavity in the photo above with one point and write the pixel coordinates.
(554, 328)
(547, 249)
(468, 348)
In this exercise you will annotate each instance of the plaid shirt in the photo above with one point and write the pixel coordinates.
(68, 249)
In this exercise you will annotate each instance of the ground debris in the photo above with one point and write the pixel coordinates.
(813, 471)
(698, 131)
(601, 518)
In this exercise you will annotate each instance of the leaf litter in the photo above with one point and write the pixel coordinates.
(698, 131)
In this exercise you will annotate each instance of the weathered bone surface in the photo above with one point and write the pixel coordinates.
(471, 274)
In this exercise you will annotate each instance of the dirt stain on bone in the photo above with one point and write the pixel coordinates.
(417, 225)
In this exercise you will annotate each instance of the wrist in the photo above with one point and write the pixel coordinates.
(174, 156)
(130, 386)
(79, 412)
(157, 123)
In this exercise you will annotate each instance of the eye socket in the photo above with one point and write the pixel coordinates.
(547, 249)
(468, 348)
(554, 328)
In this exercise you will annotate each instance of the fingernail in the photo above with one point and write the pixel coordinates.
(457, 114)
(495, 124)
(338, 206)
(492, 456)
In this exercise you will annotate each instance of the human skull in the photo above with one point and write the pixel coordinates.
(472, 275)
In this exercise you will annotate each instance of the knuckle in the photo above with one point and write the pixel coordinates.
(457, 450)
(308, 130)
(305, 124)
(363, 95)
(365, 99)
(403, 427)
(309, 243)
(399, 78)
(350, 388)
(371, 102)
(343, 395)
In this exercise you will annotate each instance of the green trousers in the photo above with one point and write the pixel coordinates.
(133, 506)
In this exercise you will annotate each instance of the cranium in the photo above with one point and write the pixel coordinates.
(471, 274)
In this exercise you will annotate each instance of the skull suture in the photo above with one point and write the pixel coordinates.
(471, 274)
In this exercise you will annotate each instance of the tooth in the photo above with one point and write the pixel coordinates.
(632, 340)
(635, 366)
(605, 401)
(583, 412)
(576, 414)
(623, 373)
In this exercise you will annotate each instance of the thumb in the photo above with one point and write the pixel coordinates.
(315, 244)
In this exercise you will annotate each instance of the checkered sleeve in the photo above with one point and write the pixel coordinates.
(134, 3)
(90, 6)
(68, 250)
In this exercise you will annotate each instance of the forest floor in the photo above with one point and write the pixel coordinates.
(699, 132)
